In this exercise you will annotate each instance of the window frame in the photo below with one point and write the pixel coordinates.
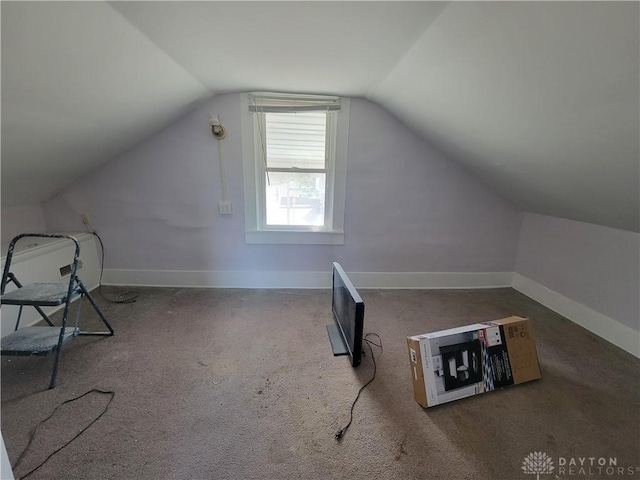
(256, 229)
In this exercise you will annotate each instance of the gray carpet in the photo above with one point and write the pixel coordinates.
(241, 384)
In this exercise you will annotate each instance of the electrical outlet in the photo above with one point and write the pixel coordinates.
(225, 208)
(85, 219)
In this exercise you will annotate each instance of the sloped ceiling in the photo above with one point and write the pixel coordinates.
(540, 99)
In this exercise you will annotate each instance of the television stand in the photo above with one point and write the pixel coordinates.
(337, 345)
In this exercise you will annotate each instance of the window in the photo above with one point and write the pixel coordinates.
(294, 152)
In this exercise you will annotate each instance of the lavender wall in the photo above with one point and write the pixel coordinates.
(596, 266)
(22, 219)
(407, 208)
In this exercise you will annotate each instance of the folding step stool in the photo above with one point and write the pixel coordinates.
(46, 339)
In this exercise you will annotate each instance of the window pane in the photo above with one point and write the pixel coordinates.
(296, 139)
(295, 198)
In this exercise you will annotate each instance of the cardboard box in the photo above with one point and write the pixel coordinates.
(465, 361)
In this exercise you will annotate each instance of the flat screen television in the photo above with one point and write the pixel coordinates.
(345, 334)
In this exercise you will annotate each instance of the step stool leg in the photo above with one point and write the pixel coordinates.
(44, 316)
(56, 359)
(54, 373)
(95, 306)
(18, 320)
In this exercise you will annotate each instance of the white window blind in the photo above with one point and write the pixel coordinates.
(296, 140)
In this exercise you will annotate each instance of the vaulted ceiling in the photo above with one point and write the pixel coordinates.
(540, 99)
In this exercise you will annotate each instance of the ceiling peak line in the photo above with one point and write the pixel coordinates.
(370, 93)
(160, 49)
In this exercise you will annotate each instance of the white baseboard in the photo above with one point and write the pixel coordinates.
(216, 279)
(240, 279)
(611, 330)
(603, 326)
(431, 280)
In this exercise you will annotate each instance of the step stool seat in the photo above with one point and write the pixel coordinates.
(35, 340)
(38, 294)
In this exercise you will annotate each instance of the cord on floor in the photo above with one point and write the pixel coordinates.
(340, 433)
(124, 297)
(42, 422)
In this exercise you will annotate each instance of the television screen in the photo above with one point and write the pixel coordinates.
(348, 313)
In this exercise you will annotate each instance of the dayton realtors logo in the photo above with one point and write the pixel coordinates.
(539, 463)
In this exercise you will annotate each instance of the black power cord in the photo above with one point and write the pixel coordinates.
(124, 297)
(340, 433)
(33, 432)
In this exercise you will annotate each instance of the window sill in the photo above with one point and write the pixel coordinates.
(295, 238)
